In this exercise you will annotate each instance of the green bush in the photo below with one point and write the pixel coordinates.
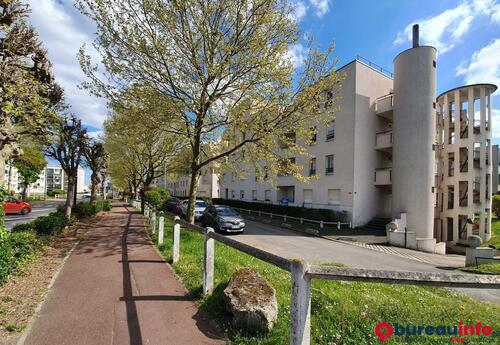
(84, 210)
(52, 224)
(23, 227)
(15, 249)
(292, 211)
(495, 205)
(157, 197)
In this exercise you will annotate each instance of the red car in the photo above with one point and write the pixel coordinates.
(13, 205)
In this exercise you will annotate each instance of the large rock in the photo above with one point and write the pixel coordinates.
(252, 301)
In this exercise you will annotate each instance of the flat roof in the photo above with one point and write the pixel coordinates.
(493, 86)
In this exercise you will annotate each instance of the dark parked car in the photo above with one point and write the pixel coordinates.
(222, 219)
(174, 206)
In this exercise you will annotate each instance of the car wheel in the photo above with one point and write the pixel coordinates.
(25, 211)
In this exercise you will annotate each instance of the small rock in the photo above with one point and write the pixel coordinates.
(474, 241)
(252, 301)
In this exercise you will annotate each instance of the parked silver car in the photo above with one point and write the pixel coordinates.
(199, 208)
(222, 219)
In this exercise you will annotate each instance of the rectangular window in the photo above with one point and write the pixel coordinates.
(334, 196)
(476, 112)
(464, 120)
(314, 135)
(486, 117)
(312, 166)
(451, 197)
(232, 194)
(464, 159)
(476, 190)
(476, 155)
(329, 165)
(267, 195)
(449, 230)
(308, 196)
(451, 111)
(463, 193)
(330, 131)
(254, 194)
(242, 194)
(451, 164)
(487, 184)
(462, 226)
(487, 152)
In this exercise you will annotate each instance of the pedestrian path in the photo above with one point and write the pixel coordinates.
(116, 289)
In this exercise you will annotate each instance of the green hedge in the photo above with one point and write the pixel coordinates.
(157, 197)
(88, 209)
(292, 211)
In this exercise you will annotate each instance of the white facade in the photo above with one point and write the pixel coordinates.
(179, 186)
(381, 156)
(51, 178)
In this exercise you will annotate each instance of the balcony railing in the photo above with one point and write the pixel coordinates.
(383, 140)
(384, 105)
(383, 176)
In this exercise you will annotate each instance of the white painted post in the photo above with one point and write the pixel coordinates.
(153, 222)
(249, 211)
(284, 219)
(321, 224)
(301, 220)
(338, 225)
(300, 308)
(271, 216)
(350, 225)
(208, 269)
(161, 225)
(176, 239)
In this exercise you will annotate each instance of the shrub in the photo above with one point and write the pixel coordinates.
(292, 211)
(16, 248)
(6, 255)
(157, 197)
(51, 224)
(23, 227)
(107, 205)
(495, 205)
(84, 210)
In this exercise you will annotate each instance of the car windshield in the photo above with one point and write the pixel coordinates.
(200, 204)
(226, 211)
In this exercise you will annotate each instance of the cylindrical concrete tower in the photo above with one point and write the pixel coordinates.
(414, 130)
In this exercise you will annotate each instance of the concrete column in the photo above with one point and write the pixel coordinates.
(300, 306)
(176, 239)
(208, 268)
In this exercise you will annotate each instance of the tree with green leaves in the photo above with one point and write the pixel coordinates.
(228, 69)
(96, 161)
(69, 140)
(29, 166)
(28, 92)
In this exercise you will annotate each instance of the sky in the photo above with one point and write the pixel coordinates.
(466, 34)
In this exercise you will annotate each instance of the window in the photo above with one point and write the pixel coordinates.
(451, 197)
(476, 190)
(464, 159)
(487, 184)
(464, 120)
(463, 193)
(330, 131)
(334, 196)
(312, 166)
(476, 155)
(308, 196)
(254, 194)
(242, 194)
(476, 113)
(487, 152)
(267, 195)
(232, 194)
(451, 111)
(329, 165)
(451, 164)
(314, 135)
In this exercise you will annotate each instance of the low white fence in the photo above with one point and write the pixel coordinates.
(321, 223)
(303, 272)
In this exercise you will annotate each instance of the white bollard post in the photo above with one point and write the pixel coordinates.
(300, 308)
(321, 224)
(271, 216)
(153, 223)
(208, 269)
(161, 225)
(176, 239)
(301, 220)
(338, 225)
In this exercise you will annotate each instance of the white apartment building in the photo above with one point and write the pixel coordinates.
(51, 178)
(179, 186)
(386, 153)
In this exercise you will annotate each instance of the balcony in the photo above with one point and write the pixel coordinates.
(384, 106)
(383, 141)
(383, 176)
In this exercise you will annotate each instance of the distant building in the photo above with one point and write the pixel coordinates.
(179, 186)
(51, 178)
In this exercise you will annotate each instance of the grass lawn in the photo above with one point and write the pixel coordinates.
(483, 269)
(342, 312)
(495, 234)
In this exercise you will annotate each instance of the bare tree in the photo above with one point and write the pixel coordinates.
(96, 161)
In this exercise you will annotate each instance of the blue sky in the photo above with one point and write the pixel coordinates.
(466, 33)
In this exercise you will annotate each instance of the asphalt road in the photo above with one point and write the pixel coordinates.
(290, 244)
(41, 208)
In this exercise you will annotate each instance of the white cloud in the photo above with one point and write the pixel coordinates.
(484, 65)
(63, 30)
(321, 7)
(495, 14)
(446, 29)
(297, 54)
(299, 11)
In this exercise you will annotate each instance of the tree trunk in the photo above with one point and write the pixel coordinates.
(25, 190)
(9, 181)
(2, 169)
(70, 195)
(142, 194)
(94, 183)
(193, 190)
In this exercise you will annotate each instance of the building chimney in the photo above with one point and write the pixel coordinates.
(415, 35)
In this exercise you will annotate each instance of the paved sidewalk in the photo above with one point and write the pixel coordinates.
(116, 289)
